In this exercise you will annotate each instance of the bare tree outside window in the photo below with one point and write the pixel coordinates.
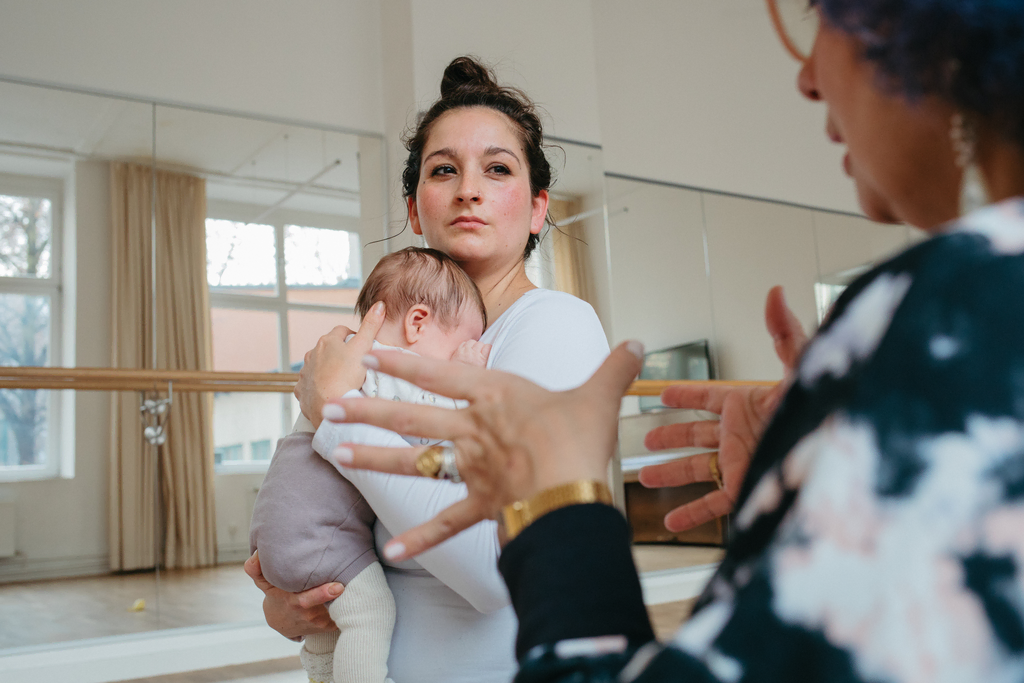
(25, 252)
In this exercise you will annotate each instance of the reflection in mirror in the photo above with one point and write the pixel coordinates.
(285, 213)
(571, 254)
(55, 266)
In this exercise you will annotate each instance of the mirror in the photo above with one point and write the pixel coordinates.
(290, 209)
(292, 218)
(690, 266)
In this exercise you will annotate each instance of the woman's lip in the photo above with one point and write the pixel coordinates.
(467, 221)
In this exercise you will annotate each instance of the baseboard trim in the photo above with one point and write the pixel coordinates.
(16, 569)
(673, 585)
(232, 554)
(123, 658)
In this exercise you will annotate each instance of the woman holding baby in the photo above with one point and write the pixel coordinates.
(477, 182)
(879, 530)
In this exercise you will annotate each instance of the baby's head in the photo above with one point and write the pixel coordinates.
(431, 305)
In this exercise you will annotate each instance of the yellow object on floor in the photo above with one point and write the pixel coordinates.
(138, 605)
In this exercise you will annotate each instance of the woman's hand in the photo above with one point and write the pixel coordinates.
(294, 614)
(744, 413)
(514, 439)
(334, 366)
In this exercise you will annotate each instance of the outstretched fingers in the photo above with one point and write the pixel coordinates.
(446, 524)
(688, 470)
(617, 372)
(455, 380)
(785, 328)
(701, 434)
(377, 458)
(404, 418)
(694, 397)
(706, 508)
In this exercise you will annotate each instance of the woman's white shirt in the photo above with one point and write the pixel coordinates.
(453, 594)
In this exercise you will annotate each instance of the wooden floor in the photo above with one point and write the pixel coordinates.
(44, 612)
(47, 612)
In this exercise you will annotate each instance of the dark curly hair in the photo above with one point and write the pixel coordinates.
(968, 52)
(468, 83)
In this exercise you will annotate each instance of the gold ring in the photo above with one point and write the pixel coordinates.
(428, 463)
(716, 474)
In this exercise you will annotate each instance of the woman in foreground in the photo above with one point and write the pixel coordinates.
(476, 181)
(879, 529)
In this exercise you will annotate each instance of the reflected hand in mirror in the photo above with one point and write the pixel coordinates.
(514, 439)
(294, 614)
(744, 411)
(334, 366)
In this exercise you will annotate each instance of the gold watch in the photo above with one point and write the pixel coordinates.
(520, 514)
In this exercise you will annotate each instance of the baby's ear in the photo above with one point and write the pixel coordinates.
(417, 318)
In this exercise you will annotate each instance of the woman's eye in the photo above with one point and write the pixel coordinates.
(443, 169)
(500, 169)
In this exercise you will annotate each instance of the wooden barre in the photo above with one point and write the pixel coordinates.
(119, 379)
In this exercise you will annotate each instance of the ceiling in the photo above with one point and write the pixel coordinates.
(244, 160)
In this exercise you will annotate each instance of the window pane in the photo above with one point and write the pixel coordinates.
(24, 340)
(245, 341)
(241, 258)
(26, 235)
(321, 266)
(246, 426)
(306, 327)
(260, 449)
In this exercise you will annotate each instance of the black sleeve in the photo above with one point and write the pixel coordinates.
(570, 575)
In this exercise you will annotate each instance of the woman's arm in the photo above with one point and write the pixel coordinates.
(558, 343)
(465, 564)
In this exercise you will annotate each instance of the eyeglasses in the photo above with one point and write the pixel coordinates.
(796, 22)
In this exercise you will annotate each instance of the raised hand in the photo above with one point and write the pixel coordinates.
(514, 439)
(744, 411)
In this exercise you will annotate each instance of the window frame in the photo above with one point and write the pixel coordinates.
(277, 304)
(59, 460)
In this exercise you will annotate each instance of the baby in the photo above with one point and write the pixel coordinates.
(309, 523)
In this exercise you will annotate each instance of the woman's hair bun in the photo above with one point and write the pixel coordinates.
(466, 73)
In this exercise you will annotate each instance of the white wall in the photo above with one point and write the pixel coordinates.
(666, 292)
(544, 47)
(313, 60)
(700, 93)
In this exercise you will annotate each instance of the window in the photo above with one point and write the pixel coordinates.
(30, 322)
(274, 290)
(260, 450)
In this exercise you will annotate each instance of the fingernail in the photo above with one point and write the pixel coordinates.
(378, 307)
(332, 412)
(343, 455)
(335, 589)
(635, 348)
(371, 362)
(394, 551)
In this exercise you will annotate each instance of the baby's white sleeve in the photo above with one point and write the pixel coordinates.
(466, 563)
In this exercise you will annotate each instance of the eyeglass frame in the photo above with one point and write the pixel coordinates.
(783, 34)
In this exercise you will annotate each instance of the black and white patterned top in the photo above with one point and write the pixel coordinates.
(880, 530)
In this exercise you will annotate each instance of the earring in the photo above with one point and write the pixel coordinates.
(964, 137)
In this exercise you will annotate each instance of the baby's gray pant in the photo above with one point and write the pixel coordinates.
(310, 524)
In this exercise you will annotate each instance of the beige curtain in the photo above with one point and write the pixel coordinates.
(569, 252)
(181, 495)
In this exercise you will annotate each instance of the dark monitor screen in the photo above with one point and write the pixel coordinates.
(686, 361)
